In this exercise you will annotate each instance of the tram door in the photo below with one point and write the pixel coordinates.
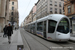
(44, 29)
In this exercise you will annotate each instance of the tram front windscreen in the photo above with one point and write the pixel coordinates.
(63, 26)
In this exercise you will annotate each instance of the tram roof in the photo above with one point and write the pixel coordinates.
(55, 17)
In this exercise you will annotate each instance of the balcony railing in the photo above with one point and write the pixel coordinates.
(72, 1)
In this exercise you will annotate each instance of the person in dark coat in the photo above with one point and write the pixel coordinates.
(5, 31)
(9, 32)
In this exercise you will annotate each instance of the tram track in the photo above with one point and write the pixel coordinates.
(72, 41)
(25, 41)
(69, 48)
(55, 43)
(60, 44)
(39, 41)
(28, 45)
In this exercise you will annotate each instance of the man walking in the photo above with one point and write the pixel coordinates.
(9, 32)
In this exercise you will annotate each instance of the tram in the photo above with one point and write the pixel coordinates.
(55, 27)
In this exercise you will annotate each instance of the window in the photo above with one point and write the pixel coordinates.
(5, 14)
(43, 0)
(71, 22)
(68, 0)
(62, 0)
(63, 9)
(12, 3)
(11, 13)
(55, 10)
(73, 27)
(0, 6)
(69, 9)
(55, 3)
(33, 26)
(51, 26)
(40, 26)
(50, 2)
(60, 11)
(59, 4)
(12, 8)
(63, 26)
(50, 10)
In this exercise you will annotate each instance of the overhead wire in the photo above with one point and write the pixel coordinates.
(26, 8)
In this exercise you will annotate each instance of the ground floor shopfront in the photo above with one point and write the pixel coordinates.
(72, 24)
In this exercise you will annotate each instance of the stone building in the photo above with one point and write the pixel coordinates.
(43, 8)
(46, 7)
(4, 13)
(29, 18)
(69, 7)
(34, 12)
(32, 16)
(13, 13)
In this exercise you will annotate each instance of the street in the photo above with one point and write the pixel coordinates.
(36, 43)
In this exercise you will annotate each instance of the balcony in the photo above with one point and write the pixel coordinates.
(72, 1)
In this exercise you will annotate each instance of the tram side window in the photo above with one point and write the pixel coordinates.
(33, 26)
(28, 26)
(51, 26)
(40, 26)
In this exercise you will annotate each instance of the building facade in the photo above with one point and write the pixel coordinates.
(32, 16)
(69, 7)
(13, 13)
(34, 12)
(7, 12)
(29, 18)
(46, 7)
(43, 8)
(26, 19)
(4, 13)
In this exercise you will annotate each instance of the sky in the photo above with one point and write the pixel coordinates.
(24, 8)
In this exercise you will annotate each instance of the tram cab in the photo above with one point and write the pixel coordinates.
(58, 28)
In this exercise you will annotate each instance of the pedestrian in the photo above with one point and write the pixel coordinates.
(9, 32)
(15, 28)
(5, 31)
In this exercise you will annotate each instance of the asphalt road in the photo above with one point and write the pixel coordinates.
(32, 42)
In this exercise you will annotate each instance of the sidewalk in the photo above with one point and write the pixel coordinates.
(16, 41)
(72, 37)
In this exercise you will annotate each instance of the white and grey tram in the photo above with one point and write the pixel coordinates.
(55, 27)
